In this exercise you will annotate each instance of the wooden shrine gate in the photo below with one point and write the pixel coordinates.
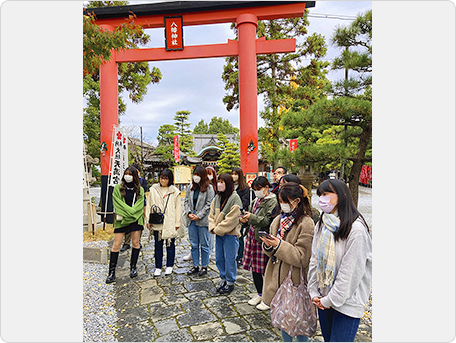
(244, 13)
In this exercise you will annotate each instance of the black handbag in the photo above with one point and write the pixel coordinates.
(156, 216)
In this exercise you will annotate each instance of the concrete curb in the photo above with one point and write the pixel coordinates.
(96, 255)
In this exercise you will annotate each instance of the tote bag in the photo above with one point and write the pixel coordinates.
(292, 309)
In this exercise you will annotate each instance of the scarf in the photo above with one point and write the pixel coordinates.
(326, 251)
(286, 222)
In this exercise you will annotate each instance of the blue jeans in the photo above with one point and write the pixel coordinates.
(337, 327)
(199, 237)
(226, 249)
(170, 252)
(299, 338)
(211, 243)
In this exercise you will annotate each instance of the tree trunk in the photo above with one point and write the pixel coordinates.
(358, 161)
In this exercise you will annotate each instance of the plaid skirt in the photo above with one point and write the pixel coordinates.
(253, 258)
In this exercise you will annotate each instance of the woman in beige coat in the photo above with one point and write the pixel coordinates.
(224, 223)
(290, 243)
(167, 198)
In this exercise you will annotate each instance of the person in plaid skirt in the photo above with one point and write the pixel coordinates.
(258, 218)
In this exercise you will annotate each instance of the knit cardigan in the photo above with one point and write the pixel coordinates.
(294, 250)
(129, 214)
(225, 221)
(262, 220)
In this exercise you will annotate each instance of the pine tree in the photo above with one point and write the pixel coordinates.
(165, 147)
(183, 130)
(230, 157)
(339, 129)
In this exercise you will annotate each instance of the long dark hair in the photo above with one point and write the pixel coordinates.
(229, 188)
(204, 183)
(136, 185)
(291, 191)
(241, 180)
(214, 180)
(346, 208)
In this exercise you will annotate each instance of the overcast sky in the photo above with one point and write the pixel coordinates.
(196, 85)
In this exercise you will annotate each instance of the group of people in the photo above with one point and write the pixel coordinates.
(268, 230)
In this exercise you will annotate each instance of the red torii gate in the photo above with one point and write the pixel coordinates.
(244, 13)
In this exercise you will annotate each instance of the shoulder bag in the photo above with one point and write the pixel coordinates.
(292, 309)
(156, 216)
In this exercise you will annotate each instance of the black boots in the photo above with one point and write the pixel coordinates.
(113, 263)
(133, 260)
(112, 266)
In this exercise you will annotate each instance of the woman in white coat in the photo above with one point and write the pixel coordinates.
(167, 198)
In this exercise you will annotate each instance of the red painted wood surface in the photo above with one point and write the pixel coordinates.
(205, 51)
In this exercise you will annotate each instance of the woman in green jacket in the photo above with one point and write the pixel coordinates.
(258, 219)
(128, 201)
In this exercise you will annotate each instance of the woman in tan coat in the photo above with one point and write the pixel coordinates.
(290, 243)
(167, 197)
(224, 223)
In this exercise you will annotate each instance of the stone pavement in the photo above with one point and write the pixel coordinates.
(177, 307)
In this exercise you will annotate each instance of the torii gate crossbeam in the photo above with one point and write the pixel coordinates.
(244, 13)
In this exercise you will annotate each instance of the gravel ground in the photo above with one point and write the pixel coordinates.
(99, 313)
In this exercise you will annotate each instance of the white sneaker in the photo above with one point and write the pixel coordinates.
(157, 272)
(254, 301)
(168, 270)
(262, 306)
(187, 257)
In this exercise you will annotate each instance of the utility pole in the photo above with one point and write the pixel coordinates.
(142, 159)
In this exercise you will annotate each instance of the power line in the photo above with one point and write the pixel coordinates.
(331, 16)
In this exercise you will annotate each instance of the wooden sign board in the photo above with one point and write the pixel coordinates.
(249, 177)
(174, 33)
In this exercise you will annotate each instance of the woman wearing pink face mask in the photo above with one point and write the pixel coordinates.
(340, 270)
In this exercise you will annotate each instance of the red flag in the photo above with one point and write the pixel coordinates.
(176, 149)
(293, 144)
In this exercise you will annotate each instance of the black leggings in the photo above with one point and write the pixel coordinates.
(258, 281)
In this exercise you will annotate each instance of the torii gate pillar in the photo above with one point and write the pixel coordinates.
(109, 109)
(108, 91)
(248, 104)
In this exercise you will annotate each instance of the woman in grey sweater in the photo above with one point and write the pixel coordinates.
(197, 204)
(340, 270)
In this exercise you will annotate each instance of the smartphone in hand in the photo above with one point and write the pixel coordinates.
(264, 234)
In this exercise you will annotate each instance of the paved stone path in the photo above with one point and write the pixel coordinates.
(177, 307)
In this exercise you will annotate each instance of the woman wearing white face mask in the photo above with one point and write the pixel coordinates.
(197, 205)
(290, 243)
(224, 222)
(258, 219)
(128, 201)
